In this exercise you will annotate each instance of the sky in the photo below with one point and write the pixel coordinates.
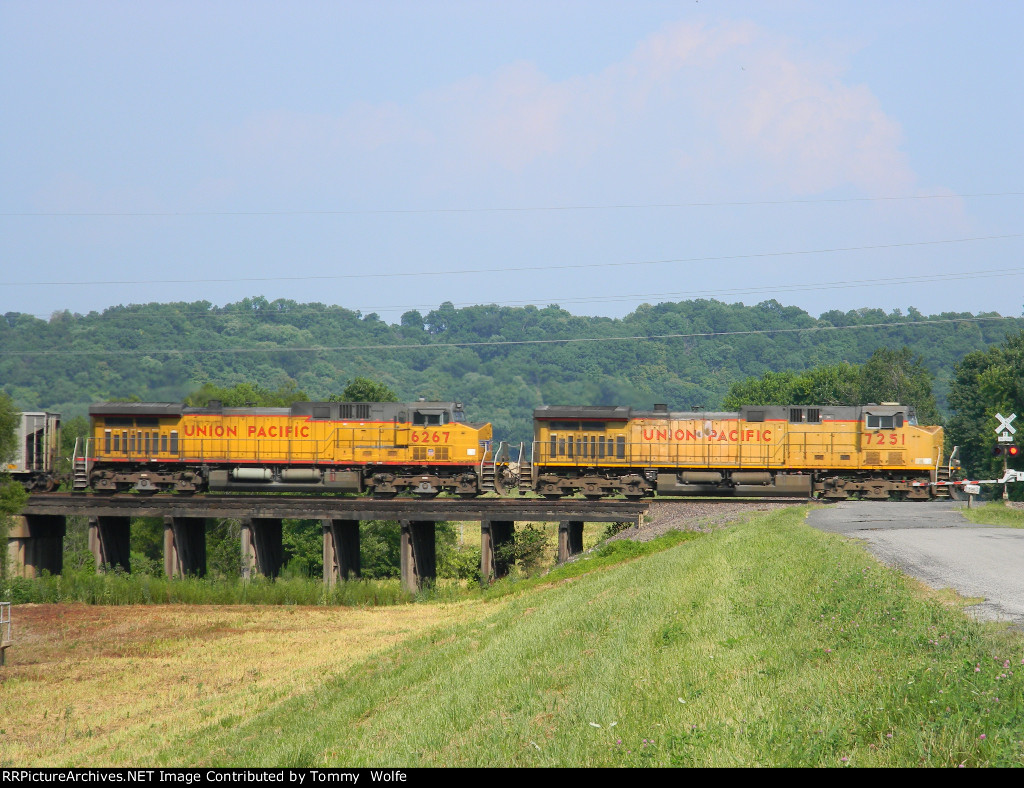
(388, 156)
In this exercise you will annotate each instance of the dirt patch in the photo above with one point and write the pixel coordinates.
(701, 516)
(110, 685)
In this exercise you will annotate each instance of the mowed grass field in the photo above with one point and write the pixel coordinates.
(766, 643)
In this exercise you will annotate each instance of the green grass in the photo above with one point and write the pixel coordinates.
(995, 513)
(117, 588)
(764, 644)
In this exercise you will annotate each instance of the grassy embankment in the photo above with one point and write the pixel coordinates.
(766, 643)
(995, 513)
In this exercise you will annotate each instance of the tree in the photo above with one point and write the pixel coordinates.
(246, 395)
(986, 382)
(9, 421)
(365, 390)
(899, 376)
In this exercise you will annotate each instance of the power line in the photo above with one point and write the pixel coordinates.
(307, 309)
(491, 343)
(519, 269)
(507, 209)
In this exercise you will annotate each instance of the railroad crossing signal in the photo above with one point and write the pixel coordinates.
(1006, 430)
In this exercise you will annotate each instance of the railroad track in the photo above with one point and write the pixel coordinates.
(334, 507)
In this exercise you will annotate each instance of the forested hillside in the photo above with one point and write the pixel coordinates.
(499, 361)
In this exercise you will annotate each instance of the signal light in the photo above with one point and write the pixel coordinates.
(1012, 451)
(1009, 451)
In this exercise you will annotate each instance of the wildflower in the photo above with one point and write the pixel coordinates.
(982, 737)
(888, 735)
(844, 759)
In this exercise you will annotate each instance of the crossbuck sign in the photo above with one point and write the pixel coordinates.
(1005, 430)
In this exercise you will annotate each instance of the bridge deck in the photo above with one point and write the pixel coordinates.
(336, 507)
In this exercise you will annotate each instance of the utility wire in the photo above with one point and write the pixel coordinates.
(519, 269)
(310, 309)
(507, 209)
(490, 343)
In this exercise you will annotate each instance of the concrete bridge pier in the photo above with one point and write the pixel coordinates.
(570, 539)
(110, 542)
(185, 546)
(262, 548)
(495, 534)
(341, 550)
(418, 554)
(35, 542)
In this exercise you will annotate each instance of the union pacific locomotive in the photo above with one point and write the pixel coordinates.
(426, 448)
(872, 451)
(341, 447)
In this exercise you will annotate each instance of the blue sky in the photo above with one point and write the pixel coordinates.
(389, 156)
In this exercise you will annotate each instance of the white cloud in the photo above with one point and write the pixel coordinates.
(728, 101)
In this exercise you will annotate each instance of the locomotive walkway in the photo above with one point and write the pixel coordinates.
(36, 541)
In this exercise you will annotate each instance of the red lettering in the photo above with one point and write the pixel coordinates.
(261, 432)
(252, 430)
(305, 432)
(662, 435)
(233, 432)
(691, 435)
(733, 435)
(680, 434)
(767, 435)
(189, 430)
(648, 434)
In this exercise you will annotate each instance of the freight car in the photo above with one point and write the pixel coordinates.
(37, 452)
(833, 452)
(340, 447)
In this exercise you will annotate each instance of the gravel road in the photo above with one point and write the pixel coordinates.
(697, 516)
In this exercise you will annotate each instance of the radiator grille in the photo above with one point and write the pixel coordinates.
(424, 454)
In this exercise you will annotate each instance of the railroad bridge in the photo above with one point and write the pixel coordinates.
(35, 542)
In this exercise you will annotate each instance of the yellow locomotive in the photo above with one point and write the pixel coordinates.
(339, 447)
(872, 451)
